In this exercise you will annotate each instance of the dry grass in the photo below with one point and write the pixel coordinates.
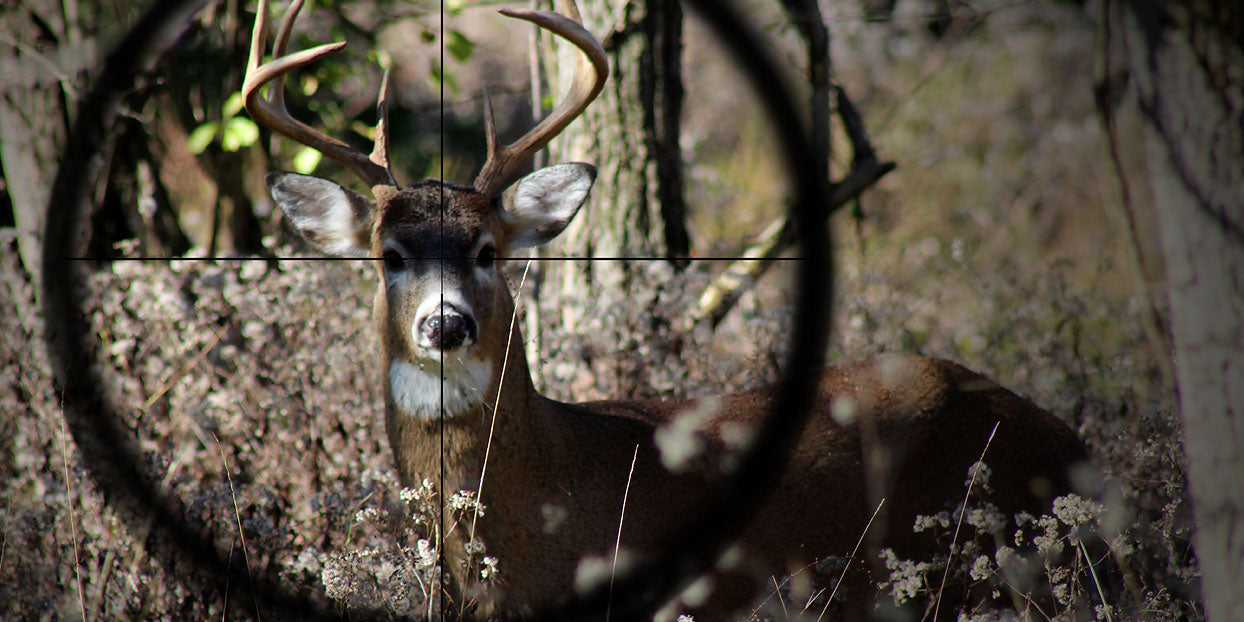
(992, 245)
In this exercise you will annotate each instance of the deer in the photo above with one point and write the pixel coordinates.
(459, 400)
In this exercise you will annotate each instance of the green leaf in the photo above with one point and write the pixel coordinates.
(459, 46)
(306, 160)
(435, 78)
(239, 132)
(233, 105)
(246, 130)
(453, 7)
(201, 137)
(363, 129)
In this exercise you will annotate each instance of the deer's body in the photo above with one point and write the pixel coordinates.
(554, 475)
(931, 422)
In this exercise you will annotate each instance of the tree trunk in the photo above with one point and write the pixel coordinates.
(631, 134)
(32, 115)
(636, 211)
(1187, 64)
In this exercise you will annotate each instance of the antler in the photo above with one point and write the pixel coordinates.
(589, 78)
(271, 112)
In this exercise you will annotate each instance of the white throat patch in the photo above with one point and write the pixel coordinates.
(417, 391)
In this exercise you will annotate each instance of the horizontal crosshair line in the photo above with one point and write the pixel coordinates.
(620, 258)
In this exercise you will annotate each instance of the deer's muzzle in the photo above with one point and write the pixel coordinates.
(448, 330)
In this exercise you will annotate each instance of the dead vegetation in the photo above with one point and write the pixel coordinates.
(247, 384)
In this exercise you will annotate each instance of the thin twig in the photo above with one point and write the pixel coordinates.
(1093, 573)
(353, 524)
(505, 360)
(950, 555)
(617, 545)
(105, 574)
(785, 580)
(1026, 597)
(4, 544)
(855, 550)
(224, 609)
(726, 289)
(73, 530)
(812, 599)
(238, 515)
(219, 334)
(777, 589)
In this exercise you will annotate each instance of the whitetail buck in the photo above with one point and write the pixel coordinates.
(451, 359)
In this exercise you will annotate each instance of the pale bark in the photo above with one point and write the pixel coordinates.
(631, 134)
(1187, 63)
(636, 211)
(32, 115)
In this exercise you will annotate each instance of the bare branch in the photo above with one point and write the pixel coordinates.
(721, 295)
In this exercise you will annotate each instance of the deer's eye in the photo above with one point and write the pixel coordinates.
(487, 255)
(393, 261)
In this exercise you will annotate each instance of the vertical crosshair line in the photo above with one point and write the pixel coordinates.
(441, 310)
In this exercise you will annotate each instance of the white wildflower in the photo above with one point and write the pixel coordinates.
(1048, 543)
(488, 568)
(426, 552)
(907, 578)
(465, 501)
(1122, 546)
(926, 522)
(981, 568)
(1074, 510)
(1060, 583)
(987, 519)
(978, 476)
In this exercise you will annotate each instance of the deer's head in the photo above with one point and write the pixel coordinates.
(442, 305)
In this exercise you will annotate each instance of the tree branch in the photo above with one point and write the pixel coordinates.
(725, 290)
(728, 287)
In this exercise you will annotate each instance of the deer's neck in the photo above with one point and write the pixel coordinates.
(441, 416)
(428, 390)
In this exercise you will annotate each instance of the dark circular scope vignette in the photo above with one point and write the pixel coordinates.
(112, 458)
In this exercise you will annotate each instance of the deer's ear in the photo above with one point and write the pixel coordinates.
(334, 219)
(543, 203)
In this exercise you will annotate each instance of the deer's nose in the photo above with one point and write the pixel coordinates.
(447, 330)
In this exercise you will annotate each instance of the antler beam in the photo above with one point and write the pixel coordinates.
(591, 70)
(271, 113)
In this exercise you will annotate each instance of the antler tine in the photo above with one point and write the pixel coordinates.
(591, 70)
(271, 113)
(380, 152)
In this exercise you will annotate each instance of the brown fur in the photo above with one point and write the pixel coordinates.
(918, 423)
(577, 456)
